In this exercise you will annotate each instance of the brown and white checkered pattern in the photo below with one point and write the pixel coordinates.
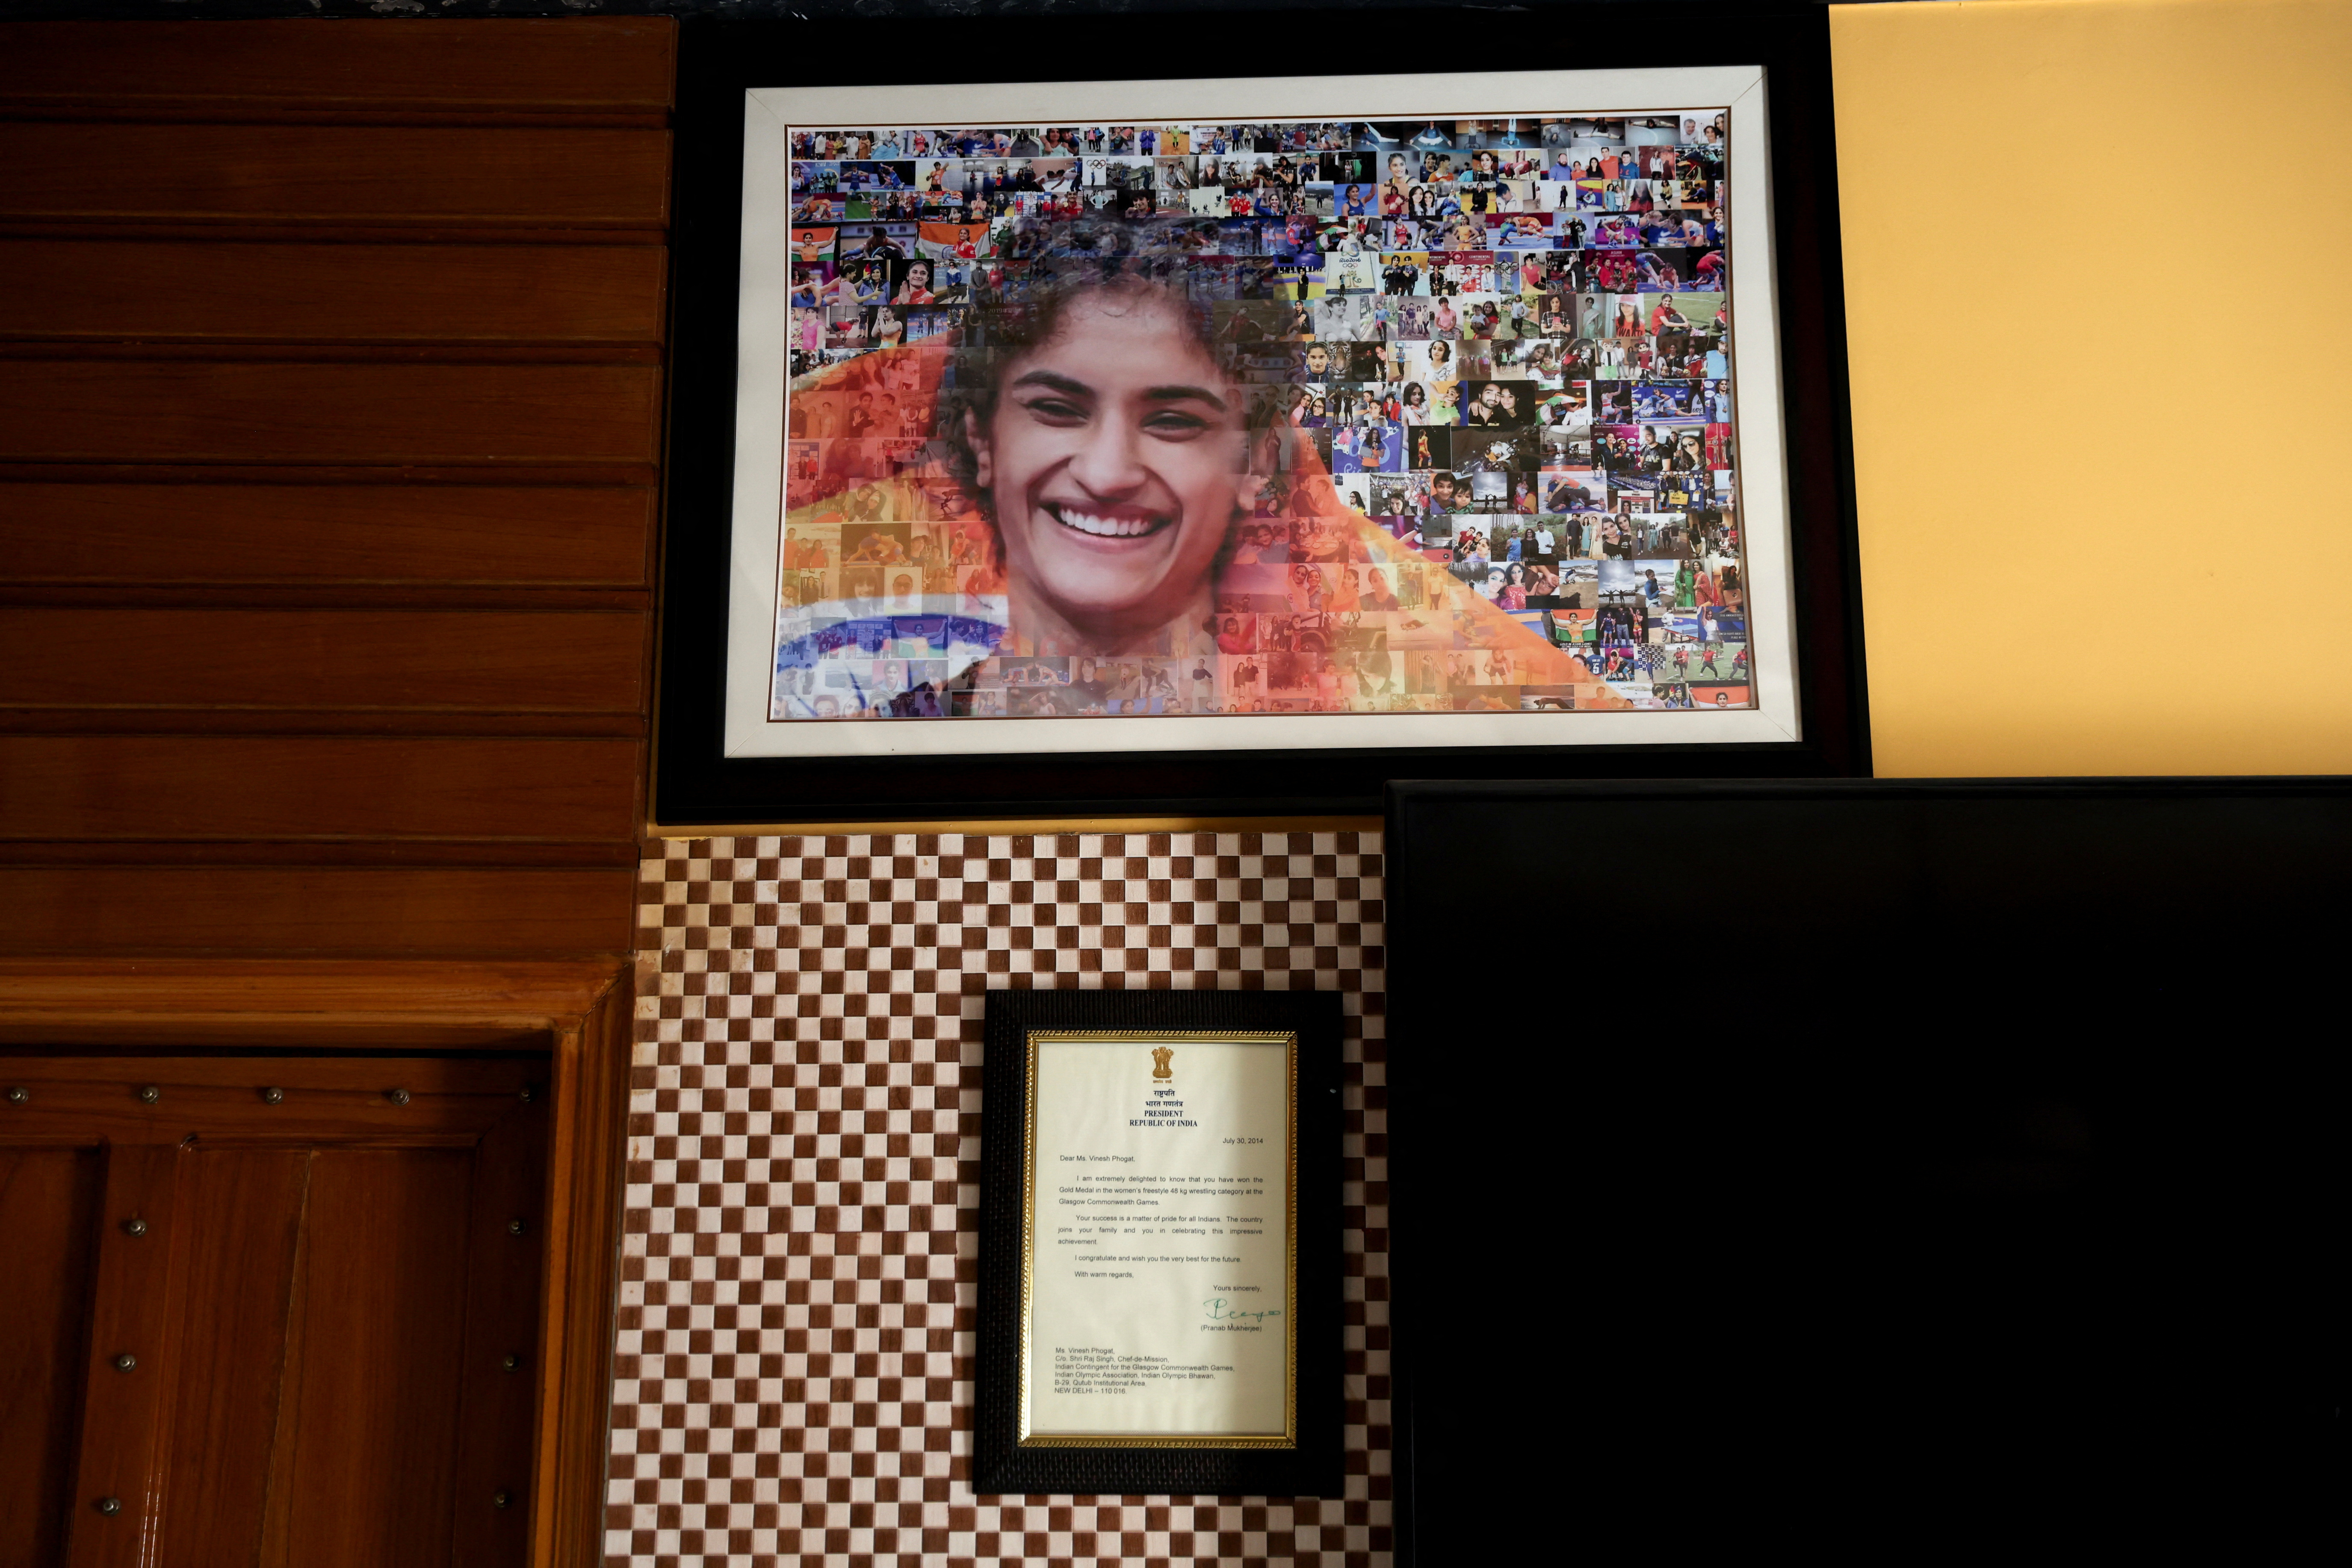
(794, 1360)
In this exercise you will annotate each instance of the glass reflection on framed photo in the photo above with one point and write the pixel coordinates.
(1159, 1243)
(1362, 417)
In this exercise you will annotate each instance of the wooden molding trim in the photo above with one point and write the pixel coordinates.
(329, 1003)
(586, 1163)
(580, 1011)
(1030, 825)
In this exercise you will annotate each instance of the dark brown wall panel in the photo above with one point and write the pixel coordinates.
(105, 412)
(96, 289)
(316, 911)
(376, 174)
(322, 533)
(269, 788)
(480, 660)
(620, 63)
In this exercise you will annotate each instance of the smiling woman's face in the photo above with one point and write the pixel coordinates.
(1115, 460)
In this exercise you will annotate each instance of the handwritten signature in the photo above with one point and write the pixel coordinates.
(1223, 1311)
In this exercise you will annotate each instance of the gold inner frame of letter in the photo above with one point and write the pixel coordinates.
(1288, 1436)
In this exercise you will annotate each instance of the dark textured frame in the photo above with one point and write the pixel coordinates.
(696, 784)
(1313, 1469)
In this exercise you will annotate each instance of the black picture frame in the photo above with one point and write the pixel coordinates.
(696, 784)
(1312, 1468)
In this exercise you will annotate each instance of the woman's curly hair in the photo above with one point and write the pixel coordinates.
(1046, 264)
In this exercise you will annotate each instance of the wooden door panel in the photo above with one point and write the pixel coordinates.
(108, 411)
(96, 289)
(123, 1410)
(378, 174)
(49, 1216)
(373, 1421)
(241, 1219)
(317, 1346)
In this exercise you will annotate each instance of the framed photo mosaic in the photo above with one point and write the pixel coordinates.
(1073, 439)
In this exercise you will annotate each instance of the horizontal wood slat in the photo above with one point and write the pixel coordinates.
(596, 62)
(385, 176)
(316, 911)
(322, 659)
(71, 411)
(325, 533)
(99, 290)
(566, 853)
(263, 786)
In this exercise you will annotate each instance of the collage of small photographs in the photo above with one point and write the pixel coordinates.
(1488, 364)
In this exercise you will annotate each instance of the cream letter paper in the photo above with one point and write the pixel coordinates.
(1159, 1265)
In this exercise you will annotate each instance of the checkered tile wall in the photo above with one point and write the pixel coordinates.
(794, 1374)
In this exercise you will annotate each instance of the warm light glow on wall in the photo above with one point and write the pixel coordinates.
(2097, 257)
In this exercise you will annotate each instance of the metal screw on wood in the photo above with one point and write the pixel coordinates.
(273, 1097)
(528, 1094)
(398, 1097)
(501, 1499)
(109, 1505)
(134, 1226)
(149, 1094)
(125, 1362)
(512, 1362)
(517, 1226)
(17, 1096)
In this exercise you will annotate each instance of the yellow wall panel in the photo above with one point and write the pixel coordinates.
(2098, 274)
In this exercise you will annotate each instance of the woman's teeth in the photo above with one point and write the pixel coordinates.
(1108, 527)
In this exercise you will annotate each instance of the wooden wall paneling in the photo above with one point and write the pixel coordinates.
(70, 411)
(322, 535)
(123, 1413)
(576, 296)
(382, 176)
(49, 1193)
(465, 67)
(486, 660)
(355, 911)
(335, 359)
(336, 356)
(261, 786)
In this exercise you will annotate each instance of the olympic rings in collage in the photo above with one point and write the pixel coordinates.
(1507, 340)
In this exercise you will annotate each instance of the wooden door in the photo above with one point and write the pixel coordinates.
(269, 1310)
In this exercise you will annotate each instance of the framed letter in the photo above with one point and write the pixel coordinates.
(1160, 1244)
